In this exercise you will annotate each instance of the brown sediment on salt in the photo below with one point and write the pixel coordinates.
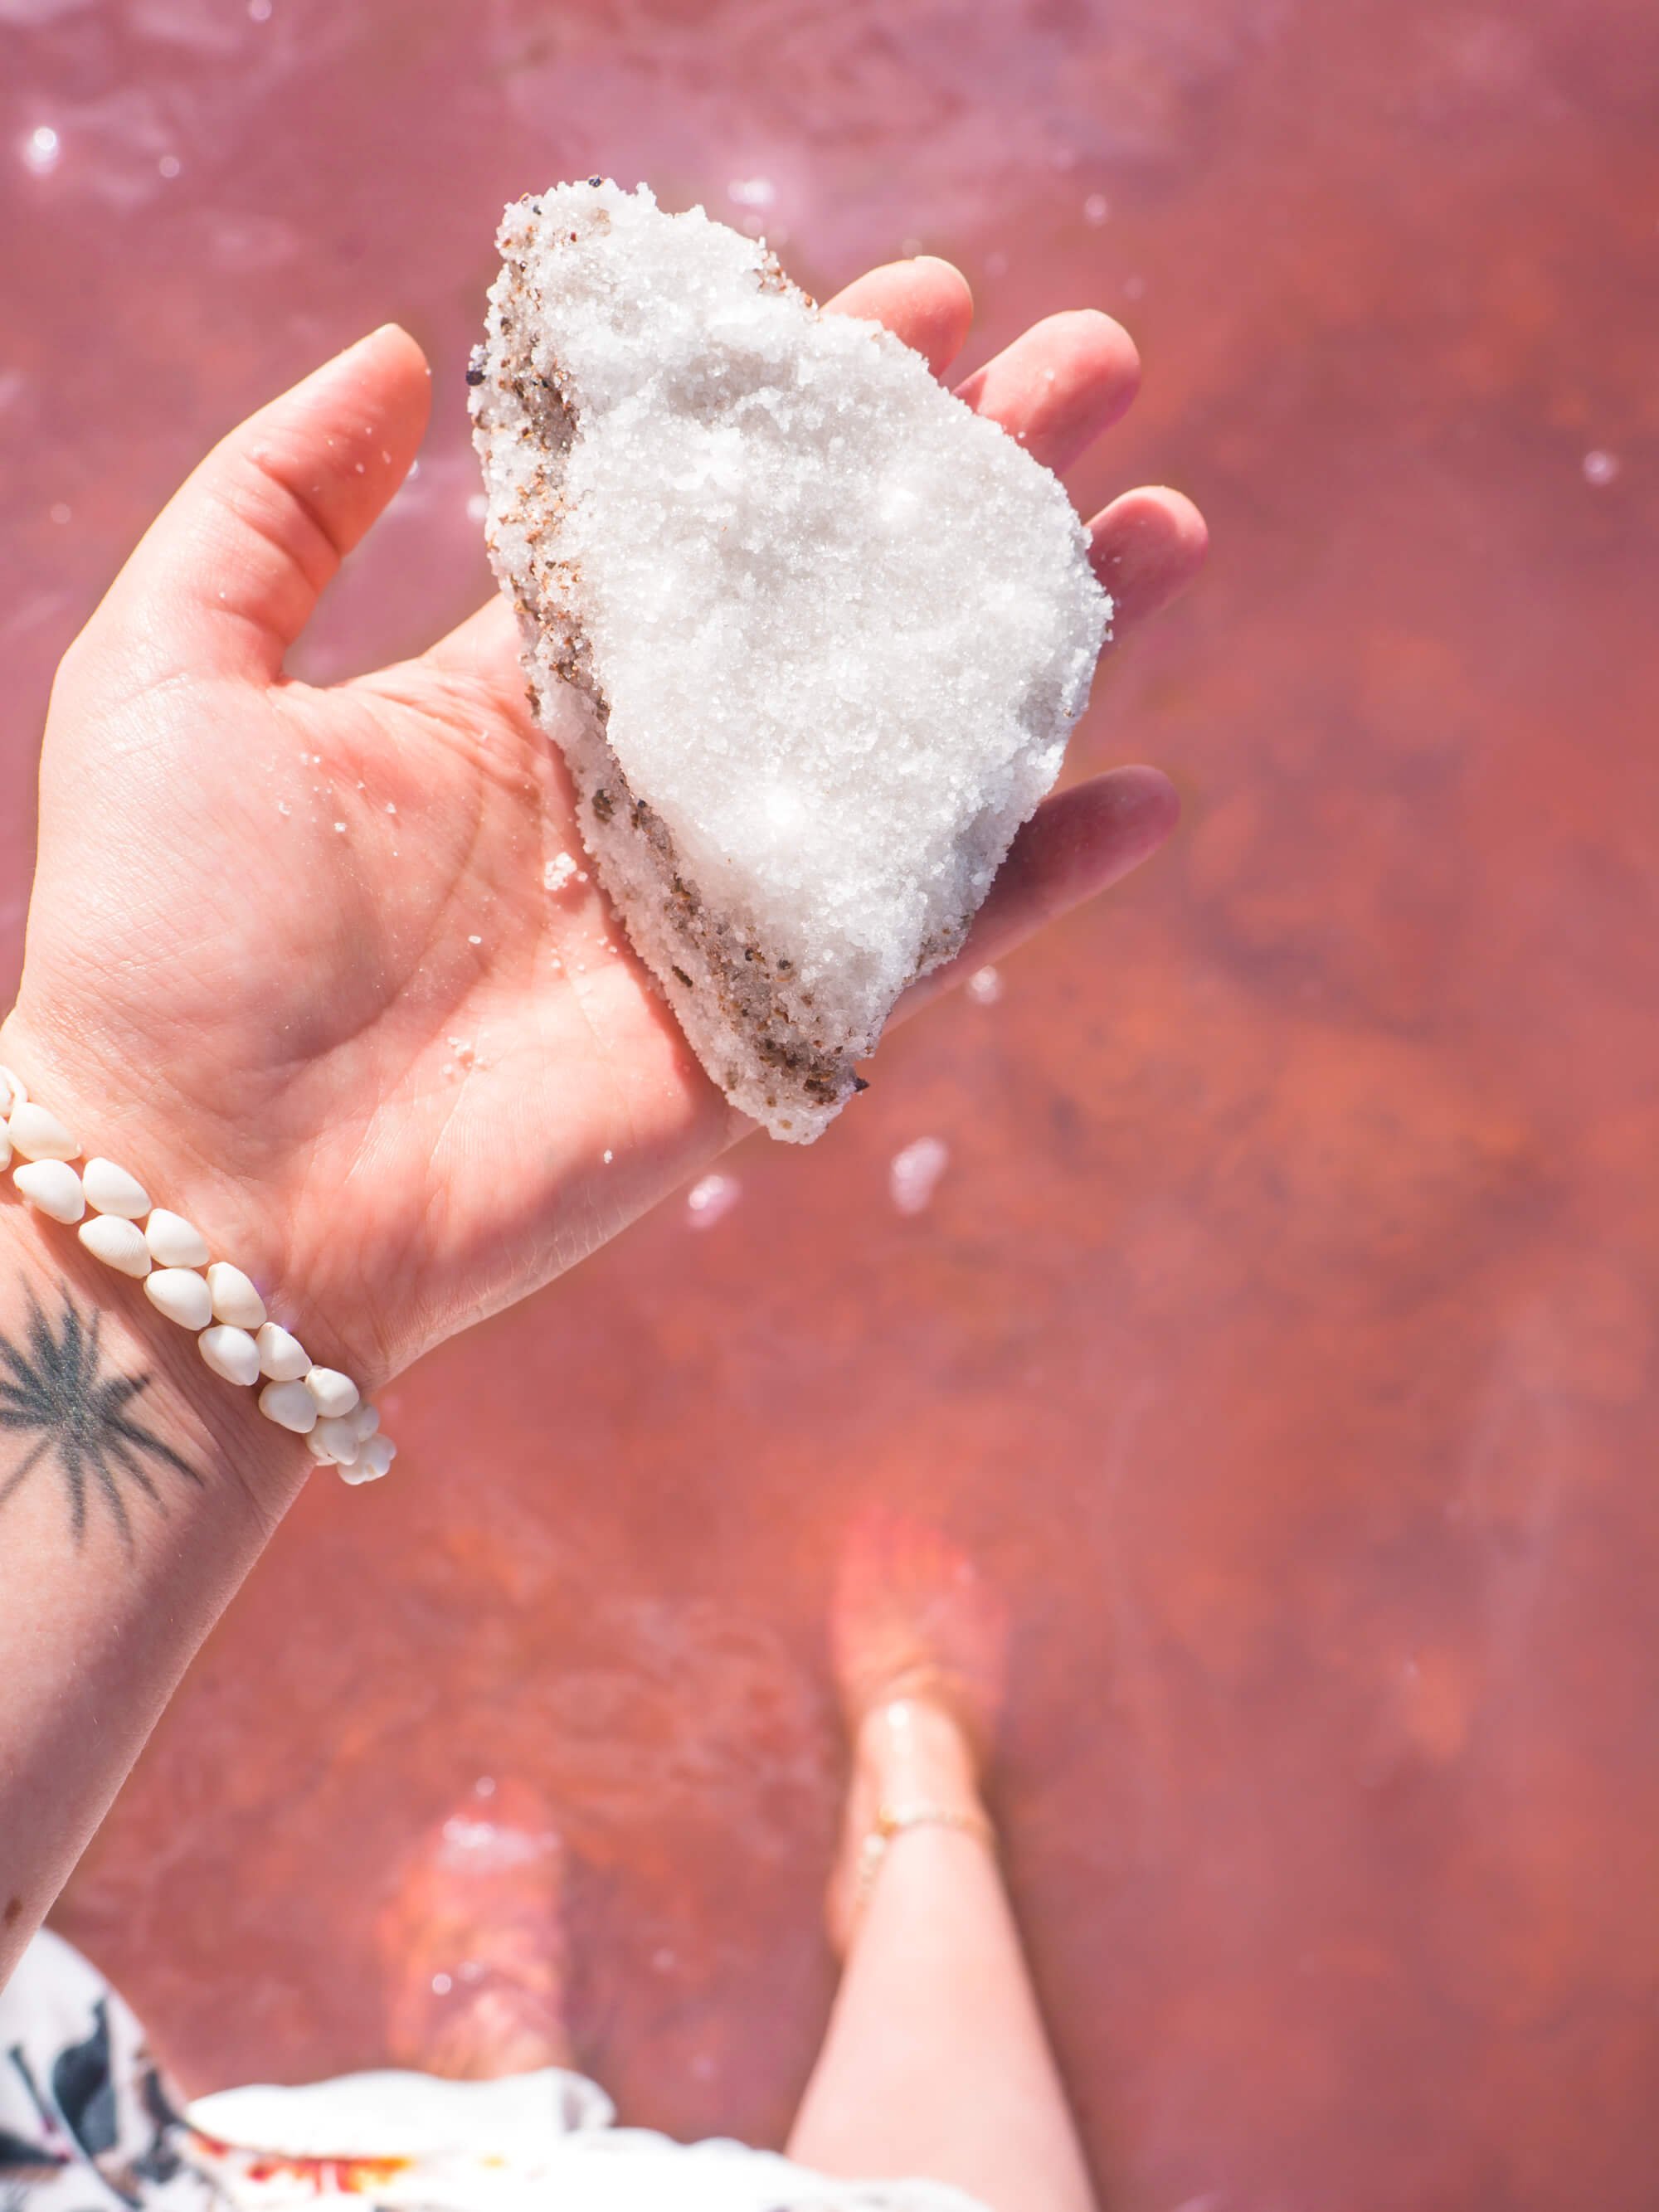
(810, 635)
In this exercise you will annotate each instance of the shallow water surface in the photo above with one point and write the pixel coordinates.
(1258, 1277)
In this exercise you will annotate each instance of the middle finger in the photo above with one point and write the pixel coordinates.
(1058, 386)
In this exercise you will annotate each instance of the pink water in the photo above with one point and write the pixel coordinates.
(1280, 1332)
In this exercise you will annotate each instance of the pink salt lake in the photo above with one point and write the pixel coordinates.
(1271, 1309)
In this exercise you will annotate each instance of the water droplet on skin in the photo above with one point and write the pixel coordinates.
(169, 165)
(41, 149)
(985, 987)
(1601, 467)
(441, 1986)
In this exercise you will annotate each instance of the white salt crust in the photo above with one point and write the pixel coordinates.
(811, 634)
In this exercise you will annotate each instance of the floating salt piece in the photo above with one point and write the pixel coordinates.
(39, 1135)
(118, 1242)
(53, 1187)
(341, 1439)
(372, 1462)
(811, 634)
(231, 1353)
(181, 1294)
(913, 1175)
(234, 1299)
(111, 1189)
(12, 1091)
(282, 1356)
(174, 1241)
(290, 1404)
(335, 1394)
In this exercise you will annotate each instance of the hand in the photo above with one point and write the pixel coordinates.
(291, 955)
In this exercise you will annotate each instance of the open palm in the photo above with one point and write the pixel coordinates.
(315, 965)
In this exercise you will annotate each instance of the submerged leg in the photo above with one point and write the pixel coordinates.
(936, 2063)
(473, 1943)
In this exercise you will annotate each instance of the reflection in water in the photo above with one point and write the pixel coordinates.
(1279, 1336)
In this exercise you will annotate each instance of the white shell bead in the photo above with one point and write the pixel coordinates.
(231, 1353)
(335, 1394)
(181, 1294)
(282, 1357)
(340, 1439)
(16, 1093)
(317, 1448)
(174, 1241)
(290, 1406)
(39, 1135)
(377, 1454)
(5, 1145)
(234, 1299)
(118, 1243)
(53, 1187)
(371, 1463)
(365, 1418)
(111, 1189)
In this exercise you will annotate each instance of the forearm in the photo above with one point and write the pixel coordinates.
(137, 1489)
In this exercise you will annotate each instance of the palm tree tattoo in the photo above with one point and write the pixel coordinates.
(56, 1390)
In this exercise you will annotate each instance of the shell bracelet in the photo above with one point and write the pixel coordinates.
(118, 1225)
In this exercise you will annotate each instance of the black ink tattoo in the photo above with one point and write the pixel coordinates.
(78, 1417)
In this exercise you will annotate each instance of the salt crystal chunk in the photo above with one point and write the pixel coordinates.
(811, 634)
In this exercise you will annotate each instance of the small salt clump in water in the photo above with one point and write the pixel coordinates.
(811, 634)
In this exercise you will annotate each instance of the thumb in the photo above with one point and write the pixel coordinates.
(226, 578)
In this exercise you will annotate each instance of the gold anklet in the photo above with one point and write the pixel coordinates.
(892, 1820)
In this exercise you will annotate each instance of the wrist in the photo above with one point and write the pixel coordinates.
(166, 1388)
(186, 1272)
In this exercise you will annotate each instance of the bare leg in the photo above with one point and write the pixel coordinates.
(935, 2063)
